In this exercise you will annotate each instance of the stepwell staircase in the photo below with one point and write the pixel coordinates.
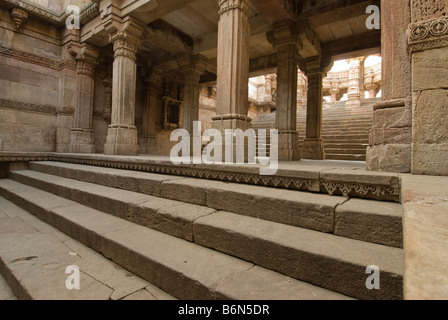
(345, 129)
(140, 235)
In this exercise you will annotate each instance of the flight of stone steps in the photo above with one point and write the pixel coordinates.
(345, 130)
(138, 235)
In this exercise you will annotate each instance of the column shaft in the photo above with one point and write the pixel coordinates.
(233, 65)
(122, 136)
(81, 135)
(313, 145)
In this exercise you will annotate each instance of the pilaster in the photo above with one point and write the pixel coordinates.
(81, 135)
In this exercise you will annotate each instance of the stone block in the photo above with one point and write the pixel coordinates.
(371, 221)
(9, 73)
(387, 136)
(430, 159)
(392, 118)
(38, 79)
(313, 211)
(389, 158)
(429, 69)
(430, 117)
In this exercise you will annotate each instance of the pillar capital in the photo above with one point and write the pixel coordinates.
(195, 64)
(285, 34)
(88, 53)
(227, 5)
(126, 34)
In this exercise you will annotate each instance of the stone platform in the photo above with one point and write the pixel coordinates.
(346, 178)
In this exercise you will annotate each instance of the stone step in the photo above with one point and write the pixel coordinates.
(348, 157)
(321, 259)
(352, 145)
(331, 139)
(348, 136)
(34, 258)
(347, 151)
(347, 128)
(301, 209)
(183, 269)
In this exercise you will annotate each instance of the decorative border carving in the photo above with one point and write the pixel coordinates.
(428, 34)
(87, 13)
(31, 107)
(361, 190)
(346, 189)
(37, 60)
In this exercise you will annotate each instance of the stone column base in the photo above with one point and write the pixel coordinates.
(313, 149)
(122, 140)
(81, 141)
(232, 122)
(148, 145)
(288, 146)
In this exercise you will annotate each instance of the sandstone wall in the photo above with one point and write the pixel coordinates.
(37, 87)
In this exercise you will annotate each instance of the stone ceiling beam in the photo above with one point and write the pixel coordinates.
(363, 44)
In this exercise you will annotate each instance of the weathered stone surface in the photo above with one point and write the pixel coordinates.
(150, 293)
(425, 234)
(389, 158)
(289, 207)
(298, 252)
(171, 217)
(145, 183)
(262, 284)
(187, 190)
(188, 272)
(392, 118)
(395, 18)
(391, 136)
(430, 140)
(371, 221)
(429, 71)
(100, 278)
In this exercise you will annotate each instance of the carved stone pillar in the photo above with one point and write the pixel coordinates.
(233, 66)
(193, 67)
(428, 46)
(268, 88)
(391, 134)
(153, 103)
(286, 41)
(81, 135)
(355, 82)
(313, 145)
(122, 138)
(334, 91)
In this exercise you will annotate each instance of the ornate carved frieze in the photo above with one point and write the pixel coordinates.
(428, 34)
(56, 18)
(31, 107)
(36, 59)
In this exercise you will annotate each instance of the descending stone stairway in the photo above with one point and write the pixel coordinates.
(345, 129)
(187, 238)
